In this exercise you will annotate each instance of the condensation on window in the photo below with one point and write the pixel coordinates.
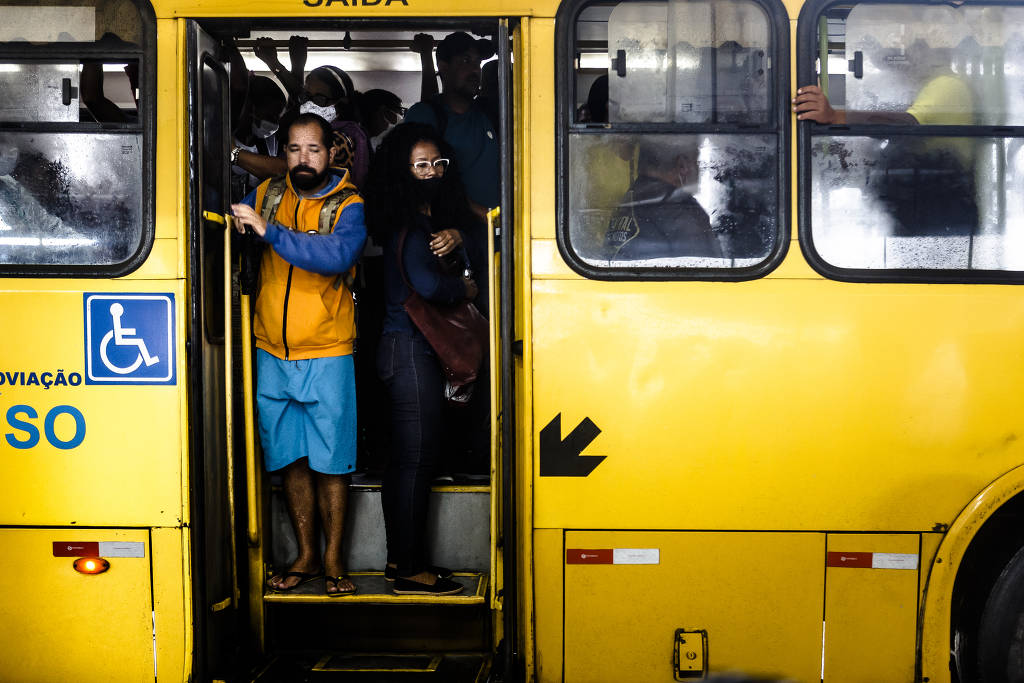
(79, 92)
(684, 61)
(943, 64)
(912, 202)
(70, 198)
(672, 201)
(115, 23)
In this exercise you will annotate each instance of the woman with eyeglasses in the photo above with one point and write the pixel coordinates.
(416, 206)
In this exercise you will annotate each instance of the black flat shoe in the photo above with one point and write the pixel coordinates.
(391, 573)
(439, 587)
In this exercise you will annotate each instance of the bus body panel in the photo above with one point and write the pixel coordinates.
(845, 408)
(758, 597)
(109, 454)
(871, 607)
(355, 9)
(61, 625)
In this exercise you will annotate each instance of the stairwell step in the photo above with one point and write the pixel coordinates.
(372, 588)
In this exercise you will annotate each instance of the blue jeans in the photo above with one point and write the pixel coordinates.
(415, 382)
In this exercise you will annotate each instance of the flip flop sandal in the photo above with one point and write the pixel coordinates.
(303, 577)
(335, 582)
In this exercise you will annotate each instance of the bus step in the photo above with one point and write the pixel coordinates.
(372, 588)
(377, 667)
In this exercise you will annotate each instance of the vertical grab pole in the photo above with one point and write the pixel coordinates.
(494, 349)
(252, 482)
(229, 407)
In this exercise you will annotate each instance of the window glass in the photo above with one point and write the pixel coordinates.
(112, 23)
(678, 201)
(942, 64)
(69, 199)
(86, 91)
(918, 199)
(71, 135)
(673, 148)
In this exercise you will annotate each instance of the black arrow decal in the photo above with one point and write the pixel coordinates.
(560, 458)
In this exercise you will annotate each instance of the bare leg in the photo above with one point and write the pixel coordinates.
(332, 497)
(299, 494)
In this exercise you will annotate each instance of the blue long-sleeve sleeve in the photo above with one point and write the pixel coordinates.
(323, 254)
(424, 273)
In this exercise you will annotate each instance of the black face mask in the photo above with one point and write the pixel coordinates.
(427, 188)
(305, 178)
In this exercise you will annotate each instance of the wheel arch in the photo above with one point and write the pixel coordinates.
(976, 547)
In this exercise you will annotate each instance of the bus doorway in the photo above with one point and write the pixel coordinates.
(304, 632)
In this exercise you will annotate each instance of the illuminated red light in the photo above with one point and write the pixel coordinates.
(91, 565)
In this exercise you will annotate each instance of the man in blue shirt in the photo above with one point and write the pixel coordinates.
(462, 122)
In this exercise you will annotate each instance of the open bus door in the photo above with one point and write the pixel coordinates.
(215, 592)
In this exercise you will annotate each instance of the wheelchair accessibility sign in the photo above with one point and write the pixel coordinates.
(129, 339)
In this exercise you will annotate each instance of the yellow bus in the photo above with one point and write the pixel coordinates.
(754, 380)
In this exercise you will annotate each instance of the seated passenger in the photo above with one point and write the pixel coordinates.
(657, 218)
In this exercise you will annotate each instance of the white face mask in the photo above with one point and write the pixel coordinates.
(329, 113)
(379, 138)
(264, 129)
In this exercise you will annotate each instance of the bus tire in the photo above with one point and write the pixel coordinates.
(1001, 630)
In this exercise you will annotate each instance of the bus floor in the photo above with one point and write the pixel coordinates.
(458, 528)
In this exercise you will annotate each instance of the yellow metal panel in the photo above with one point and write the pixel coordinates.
(548, 263)
(542, 129)
(548, 563)
(83, 628)
(794, 266)
(808, 392)
(170, 122)
(126, 471)
(870, 614)
(162, 262)
(378, 9)
(172, 608)
(758, 596)
(929, 549)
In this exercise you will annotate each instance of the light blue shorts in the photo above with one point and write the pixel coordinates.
(307, 408)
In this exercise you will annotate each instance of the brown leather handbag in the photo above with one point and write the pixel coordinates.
(458, 334)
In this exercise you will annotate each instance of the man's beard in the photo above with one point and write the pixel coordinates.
(305, 178)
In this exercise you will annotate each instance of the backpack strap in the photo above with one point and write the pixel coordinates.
(328, 215)
(330, 208)
(272, 198)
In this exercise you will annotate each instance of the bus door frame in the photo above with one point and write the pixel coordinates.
(210, 232)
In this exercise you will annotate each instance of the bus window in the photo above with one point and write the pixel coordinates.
(73, 192)
(673, 150)
(927, 195)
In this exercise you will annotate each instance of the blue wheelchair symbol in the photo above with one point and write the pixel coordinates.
(129, 338)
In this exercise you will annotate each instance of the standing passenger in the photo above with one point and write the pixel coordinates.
(416, 201)
(460, 119)
(304, 327)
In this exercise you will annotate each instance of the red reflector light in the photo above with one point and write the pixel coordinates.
(91, 565)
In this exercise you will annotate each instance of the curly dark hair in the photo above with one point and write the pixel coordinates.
(391, 198)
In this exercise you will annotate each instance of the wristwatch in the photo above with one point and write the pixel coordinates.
(234, 155)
